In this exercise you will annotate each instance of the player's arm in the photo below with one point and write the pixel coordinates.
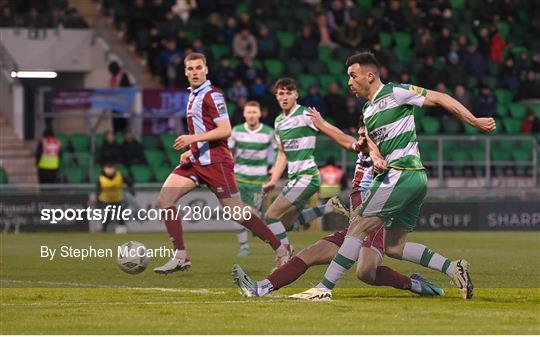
(345, 141)
(222, 131)
(277, 170)
(368, 147)
(435, 98)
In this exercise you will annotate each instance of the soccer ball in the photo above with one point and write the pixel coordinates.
(132, 257)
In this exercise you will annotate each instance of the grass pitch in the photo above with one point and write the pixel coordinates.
(93, 296)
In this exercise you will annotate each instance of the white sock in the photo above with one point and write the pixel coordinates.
(180, 254)
(420, 254)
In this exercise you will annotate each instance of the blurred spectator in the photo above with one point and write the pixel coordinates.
(182, 42)
(427, 74)
(509, 76)
(323, 32)
(333, 179)
(6, 17)
(169, 64)
(529, 88)
(224, 74)
(530, 123)
(266, 43)
(404, 77)
(247, 71)
(170, 25)
(37, 20)
(413, 15)
(118, 79)
(157, 10)
(238, 114)
(257, 89)
(210, 32)
(57, 17)
(48, 157)
(369, 32)
(228, 31)
(335, 103)
(305, 46)
(349, 34)
(244, 20)
(132, 151)
(462, 96)
(338, 15)
(453, 73)
(393, 16)
(314, 99)
(484, 44)
(485, 104)
(383, 55)
(348, 119)
(154, 49)
(523, 64)
(496, 47)
(244, 44)
(425, 45)
(137, 20)
(74, 19)
(198, 47)
(474, 62)
(110, 151)
(183, 9)
(237, 91)
(536, 62)
(442, 45)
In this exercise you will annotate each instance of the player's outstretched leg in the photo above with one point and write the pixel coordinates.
(173, 189)
(242, 237)
(333, 205)
(457, 271)
(320, 252)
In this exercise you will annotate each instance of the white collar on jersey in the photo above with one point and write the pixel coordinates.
(253, 131)
(376, 93)
(293, 110)
(201, 87)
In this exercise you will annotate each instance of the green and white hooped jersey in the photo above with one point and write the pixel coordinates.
(251, 153)
(297, 135)
(389, 120)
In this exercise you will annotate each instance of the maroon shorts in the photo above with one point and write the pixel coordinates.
(219, 177)
(374, 240)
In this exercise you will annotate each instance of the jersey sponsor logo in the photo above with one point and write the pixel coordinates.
(416, 89)
(378, 135)
(291, 144)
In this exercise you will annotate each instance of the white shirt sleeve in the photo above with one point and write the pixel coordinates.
(410, 95)
(232, 141)
(308, 121)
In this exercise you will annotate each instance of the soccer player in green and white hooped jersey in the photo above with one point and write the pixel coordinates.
(252, 144)
(398, 191)
(296, 137)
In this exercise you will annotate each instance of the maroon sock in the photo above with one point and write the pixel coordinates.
(261, 230)
(174, 227)
(385, 276)
(288, 273)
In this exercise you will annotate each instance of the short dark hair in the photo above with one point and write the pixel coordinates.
(286, 83)
(363, 58)
(195, 56)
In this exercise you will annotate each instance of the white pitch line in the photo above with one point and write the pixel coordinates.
(92, 285)
(42, 304)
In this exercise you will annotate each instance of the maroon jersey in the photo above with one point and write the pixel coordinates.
(206, 106)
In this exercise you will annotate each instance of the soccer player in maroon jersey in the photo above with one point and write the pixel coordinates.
(209, 161)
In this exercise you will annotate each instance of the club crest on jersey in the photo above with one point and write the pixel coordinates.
(415, 89)
(222, 109)
(382, 104)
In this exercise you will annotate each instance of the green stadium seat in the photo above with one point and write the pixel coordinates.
(500, 126)
(457, 5)
(173, 156)
(385, 39)
(504, 96)
(325, 54)
(154, 157)
(429, 155)
(317, 67)
(141, 174)
(80, 142)
(220, 50)
(430, 125)
(325, 80)
(3, 176)
(100, 138)
(74, 176)
(64, 140)
(274, 66)
(167, 140)
(403, 54)
(451, 126)
(402, 39)
(119, 137)
(522, 155)
(504, 29)
(337, 68)
(231, 107)
(124, 170)
(306, 80)
(94, 174)
(470, 130)
(458, 155)
(151, 142)
(512, 126)
(84, 160)
(161, 173)
(518, 110)
(500, 155)
(285, 38)
(365, 4)
(295, 67)
(502, 110)
(536, 108)
(478, 155)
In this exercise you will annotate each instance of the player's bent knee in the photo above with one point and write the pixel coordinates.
(164, 202)
(395, 252)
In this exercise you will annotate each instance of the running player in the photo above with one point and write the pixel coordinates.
(251, 143)
(296, 137)
(209, 162)
(397, 192)
(324, 250)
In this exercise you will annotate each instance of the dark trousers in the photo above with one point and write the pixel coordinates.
(47, 176)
